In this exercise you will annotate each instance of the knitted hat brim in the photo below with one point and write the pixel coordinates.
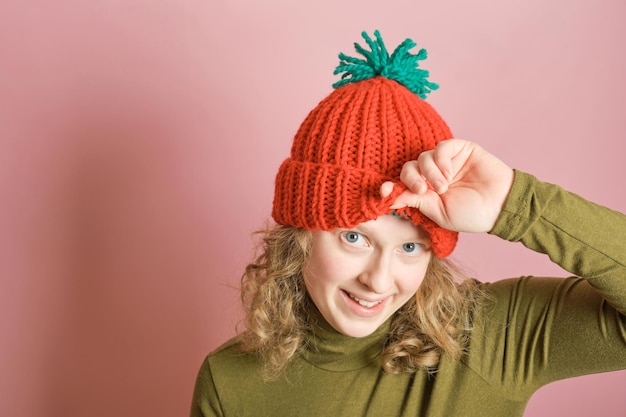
(325, 191)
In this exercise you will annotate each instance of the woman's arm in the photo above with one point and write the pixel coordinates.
(541, 330)
(584, 238)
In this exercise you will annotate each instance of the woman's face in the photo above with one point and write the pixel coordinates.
(359, 277)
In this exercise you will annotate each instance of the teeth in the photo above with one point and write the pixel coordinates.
(368, 304)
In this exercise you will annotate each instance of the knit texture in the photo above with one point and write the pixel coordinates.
(355, 139)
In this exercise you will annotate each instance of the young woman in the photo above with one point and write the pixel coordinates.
(351, 306)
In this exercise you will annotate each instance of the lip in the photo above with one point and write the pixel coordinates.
(360, 310)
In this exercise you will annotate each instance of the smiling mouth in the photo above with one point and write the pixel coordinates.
(368, 304)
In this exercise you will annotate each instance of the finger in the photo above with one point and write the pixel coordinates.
(412, 178)
(406, 199)
(438, 166)
(430, 170)
(428, 203)
(386, 188)
(443, 155)
(451, 155)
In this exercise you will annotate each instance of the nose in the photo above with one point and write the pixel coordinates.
(377, 276)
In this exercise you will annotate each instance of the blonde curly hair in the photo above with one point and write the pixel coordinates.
(277, 308)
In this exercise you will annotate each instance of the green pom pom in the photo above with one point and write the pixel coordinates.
(401, 66)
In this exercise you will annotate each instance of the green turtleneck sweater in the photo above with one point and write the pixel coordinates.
(535, 331)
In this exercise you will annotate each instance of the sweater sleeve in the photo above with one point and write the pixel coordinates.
(205, 401)
(545, 329)
(584, 238)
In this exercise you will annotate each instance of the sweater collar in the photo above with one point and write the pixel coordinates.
(330, 350)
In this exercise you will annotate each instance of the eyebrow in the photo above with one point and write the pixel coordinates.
(422, 235)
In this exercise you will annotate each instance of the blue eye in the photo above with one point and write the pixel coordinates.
(411, 247)
(352, 237)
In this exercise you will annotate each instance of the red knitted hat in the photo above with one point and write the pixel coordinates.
(359, 137)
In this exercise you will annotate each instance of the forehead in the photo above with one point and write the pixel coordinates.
(393, 225)
(386, 228)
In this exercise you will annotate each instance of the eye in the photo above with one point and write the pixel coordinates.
(354, 238)
(412, 248)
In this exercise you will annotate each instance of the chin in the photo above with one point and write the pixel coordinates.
(358, 329)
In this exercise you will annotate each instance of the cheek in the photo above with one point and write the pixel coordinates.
(322, 271)
(327, 265)
(316, 275)
(411, 277)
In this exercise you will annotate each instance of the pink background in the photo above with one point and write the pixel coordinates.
(139, 141)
